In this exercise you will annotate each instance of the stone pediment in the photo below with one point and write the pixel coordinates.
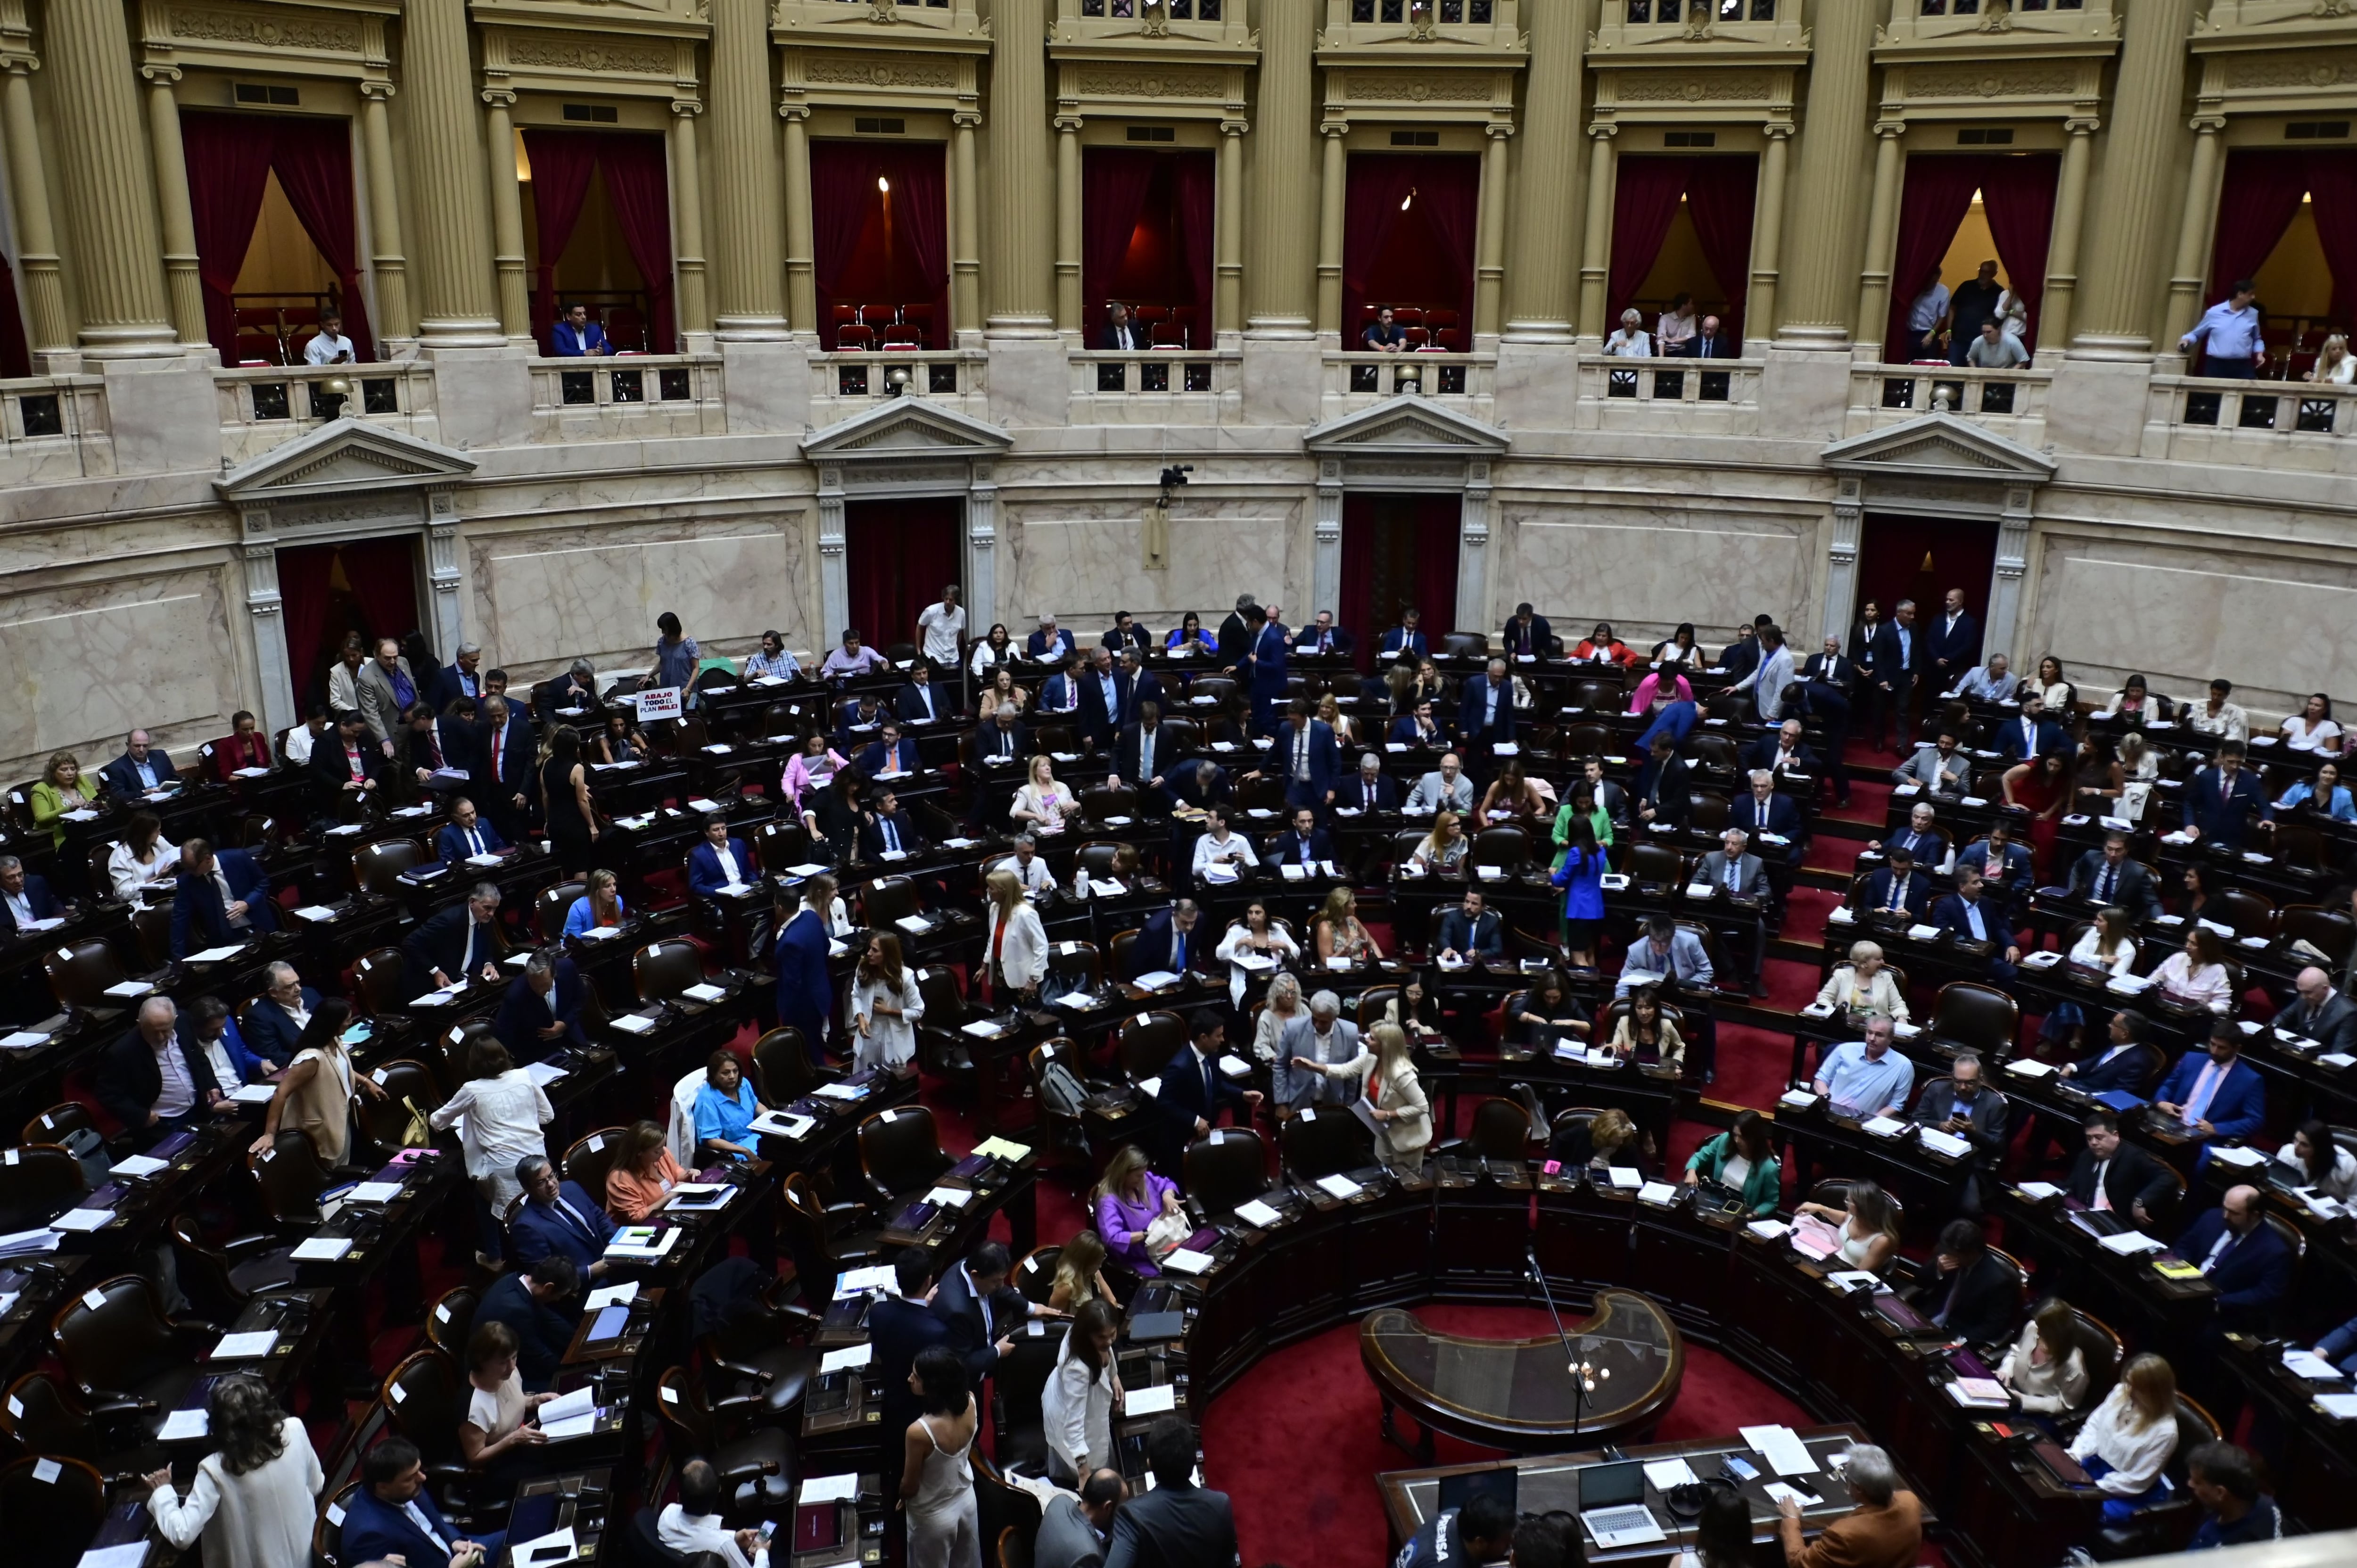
(906, 427)
(1406, 424)
(1940, 445)
(341, 459)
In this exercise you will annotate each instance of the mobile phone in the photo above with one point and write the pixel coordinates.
(1741, 1470)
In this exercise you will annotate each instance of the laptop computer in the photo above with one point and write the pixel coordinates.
(1613, 1505)
(1503, 1483)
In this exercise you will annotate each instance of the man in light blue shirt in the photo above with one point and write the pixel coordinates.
(1867, 1078)
(2229, 335)
(1994, 682)
(1771, 676)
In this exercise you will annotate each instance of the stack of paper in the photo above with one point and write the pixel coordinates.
(1783, 1449)
(950, 1196)
(186, 1426)
(1255, 1212)
(1187, 1261)
(2314, 1367)
(1150, 1401)
(1979, 1393)
(861, 1282)
(2039, 1191)
(612, 1295)
(321, 1249)
(829, 1489)
(1883, 1126)
(1947, 1144)
(641, 1242)
(244, 1346)
(543, 1073)
(1340, 1187)
(1004, 1149)
(778, 1124)
(2128, 1244)
(845, 1360)
(704, 991)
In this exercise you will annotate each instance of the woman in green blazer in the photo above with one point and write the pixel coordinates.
(60, 791)
(1744, 1159)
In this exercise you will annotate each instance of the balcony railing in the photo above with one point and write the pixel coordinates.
(628, 396)
(1360, 381)
(54, 428)
(1704, 396)
(1167, 386)
(263, 406)
(2010, 402)
(2282, 424)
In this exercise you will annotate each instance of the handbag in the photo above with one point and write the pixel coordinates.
(1166, 1235)
(419, 1132)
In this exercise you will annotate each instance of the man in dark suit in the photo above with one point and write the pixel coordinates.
(1368, 789)
(459, 946)
(1832, 667)
(1306, 758)
(718, 860)
(534, 1303)
(2247, 1263)
(1176, 1524)
(921, 701)
(1827, 691)
(980, 1310)
(1781, 751)
(1874, 652)
(140, 769)
(393, 1515)
(1470, 931)
(2004, 866)
(2221, 800)
(1193, 1089)
(1302, 844)
(506, 788)
(889, 753)
(1896, 889)
(276, 1020)
(219, 900)
(898, 1328)
(1405, 638)
(1608, 795)
(1144, 749)
(2115, 1064)
(207, 1029)
(577, 688)
(1236, 632)
(1760, 811)
(2319, 1012)
(1923, 842)
(1126, 633)
(1051, 644)
(151, 1081)
(1322, 636)
(1526, 631)
(1060, 694)
(1420, 727)
(343, 764)
(1963, 1103)
(459, 678)
(1968, 1291)
(1263, 669)
(1104, 700)
(1485, 715)
(466, 834)
(1954, 642)
(1076, 1532)
(885, 830)
(1708, 343)
(559, 1217)
(541, 1014)
(1167, 943)
(2033, 735)
(1971, 915)
(1741, 657)
(1145, 685)
(2116, 1176)
(1897, 664)
(417, 755)
(23, 898)
(1662, 794)
(1196, 782)
(805, 990)
(1003, 740)
(1121, 335)
(2107, 875)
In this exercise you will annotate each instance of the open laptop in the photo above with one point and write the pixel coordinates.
(1613, 1505)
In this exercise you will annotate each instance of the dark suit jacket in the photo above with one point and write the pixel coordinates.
(516, 774)
(523, 1015)
(1306, 640)
(539, 1231)
(1144, 687)
(1457, 934)
(909, 705)
(251, 1069)
(1938, 1102)
(2253, 1276)
(1399, 640)
(376, 1530)
(1761, 753)
(1781, 815)
(1286, 849)
(986, 739)
(871, 834)
(1168, 750)
(874, 759)
(1403, 730)
(2132, 1177)
(1325, 756)
(1536, 638)
(559, 692)
(447, 688)
(1137, 637)
(1354, 793)
(1472, 707)
(1175, 1527)
(37, 895)
(127, 1081)
(2012, 743)
(1151, 951)
(1179, 779)
(122, 780)
(2133, 891)
(1098, 725)
(2221, 820)
(2016, 860)
(1878, 656)
(1067, 1539)
(328, 772)
(542, 1332)
(1983, 1304)
(704, 876)
(2097, 1076)
(198, 912)
(450, 844)
(1917, 903)
(899, 1329)
(1188, 1092)
(2332, 1026)
(1698, 347)
(1838, 672)
(1926, 849)
(1122, 338)
(270, 1034)
(1959, 648)
(1949, 915)
(1038, 646)
(1665, 785)
(441, 943)
(1235, 639)
(972, 1336)
(1739, 658)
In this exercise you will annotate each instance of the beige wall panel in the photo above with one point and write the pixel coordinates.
(1647, 569)
(1085, 568)
(87, 663)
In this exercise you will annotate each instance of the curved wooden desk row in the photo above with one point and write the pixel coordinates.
(1461, 1232)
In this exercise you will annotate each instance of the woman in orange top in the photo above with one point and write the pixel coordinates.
(643, 1176)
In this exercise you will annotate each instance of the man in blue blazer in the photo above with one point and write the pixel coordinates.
(541, 1305)
(2033, 735)
(707, 871)
(921, 701)
(1952, 643)
(466, 834)
(23, 896)
(979, 1310)
(1050, 644)
(1973, 917)
(2221, 800)
(1264, 668)
(1896, 889)
(2247, 1263)
(541, 1014)
(1422, 727)
(2215, 1094)
(206, 1024)
(898, 1328)
(889, 752)
(1486, 715)
(1527, 632)
(140, 768)
(1322, 636)
(576, 336)
(1104, 693)
(1146, 750)
(1167, 942)
(559, 1217)
(805, 995)
(1762, 811)
(1193, 1088)
(1470, 930)
(1368, 789)
(1145, 685)
(1305, 757)
(2004, 866)
(219, 900)
(1301, 843)
(1407, 638)
(393, 1515)
(272, 1029)
(1060, 694)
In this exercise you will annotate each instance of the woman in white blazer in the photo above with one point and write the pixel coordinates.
(886, 1007)
(253, 1500)
(1402, 1112)
(1014, 944)
(1863, 985)
(1078, 1400)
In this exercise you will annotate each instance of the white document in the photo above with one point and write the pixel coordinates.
(1255, 1212)
(215, 955)
(1628, 1179)
(2340, 1407)
(244, 1346)
(1150, 1401)
(1769, 1229)
(1155, 979)
(2237, 1155)
(321, 1249)
(127, 988)
(255, 1093)
(612, 1295)
(1187, 1261)
(1883, 1126)
(598, 933)
(84, 1220)
(130, 1554)
(950, 1196)
(2308, 1364)
(2029, 1067)
(1778, 1491)
(139, 1166)
(836, 1091)
(544, 1073)
(564, 1407)
(704, 991)
(1797, 1099)
(2128, 1244)
(376, 1192)
(1665, 1474)
(1855, 1279)
(1656, 1192)
(829, 1490)
(1234, 1066)
(1340, 1187)
(184, 1426)
(845, 1359)
(2040, 1190)
(779, 1125)
(632, 1023)
(1783, 1449)
(983, 1028)
(1946, 1144)
(22, 1040)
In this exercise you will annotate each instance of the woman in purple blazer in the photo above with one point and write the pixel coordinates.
(1129, 1199)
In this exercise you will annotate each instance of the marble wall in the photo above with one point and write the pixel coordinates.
(87, 663)
(1085, 561)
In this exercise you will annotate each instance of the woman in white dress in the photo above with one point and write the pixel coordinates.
(504, 1111)
(937, 1473)
(253, 1497)
(1256, 936)
(2197, 976)
(1042, 804)
(2335, 365)
(143, 858)
(886, 1007)
(1078, 1401)
(1403, 1115)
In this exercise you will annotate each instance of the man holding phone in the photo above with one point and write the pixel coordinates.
(391, 1515)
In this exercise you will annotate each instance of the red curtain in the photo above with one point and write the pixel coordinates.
(1939, 194)
(313, 159)
(1374, 189)
(1720, 196)
(2332, 187)
(1354, 606)
(2257, 203)
(1439, 521)
(1113, 185)
(1451, 205)
(1645, 194)
(2018, 195)
(562, 162)
(638, 182)
(920, 207)
(229, 165)
(844, 200)
(901, 553)
(303, 574)
(384, 576)
(16, 359)
(1192, 175)
(1378, 257)
(842, 197)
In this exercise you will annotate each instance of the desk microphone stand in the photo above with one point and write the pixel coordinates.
(1583, 1373)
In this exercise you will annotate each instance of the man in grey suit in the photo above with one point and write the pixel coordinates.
(1732, 870)
(1178, 1524)
(1448, 788)
(1074, 1534)
(386, 690)
(1965, 1106)
(2319, 1012)
(1325, 1038)
(1943, 768)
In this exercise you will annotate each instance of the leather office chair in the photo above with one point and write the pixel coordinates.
(900, 1154)
(1458, 644)
(1218, 688)
(1979, 1018)
(663, 969)
(37, 1181)
(54, 1505)
(2329, 932)
(1715, 752)
(591, 1159)
(782, 1071)
(80, 974)
(1034, 1274)
(289, 1179)
(2166, 1526)
(1147, 1041)
(946, 1008)
(825, 1240)
(1372, 1002)
(1071, 966)
(2102, 1352)
(424, 1399)
(1507, 845)
(1834, 1193)
(1586, 738)
(41, 1415)
(1096, 858)
(762, 1352)
(222, 1278)
(756, 1463)
(376, 867)
(1004, 1513)
(548, 910)
(59, 1123)
(1500, 1131)
(1265, 793)
(780, 843)
(381, 981)
(1326, 1143)
(1101, 802)
(887, 900)
(2248, 913)
(1118, 949)
(1062, 1137)
(1226, 1166)
(1706, 813)
(1019, 1437)
(117, 1345)
(383, 1123)
(451, 1322)
(646, 1549)
(1656, 865)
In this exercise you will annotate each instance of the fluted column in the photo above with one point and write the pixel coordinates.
(693, 309)
(1333, 180)
(802, 227)
(2131, 204)
(1830, 194)
(1768, 233)
(103, 165)
(507, 213)
(457, 304)
(965, 215)
(1068, 223)
(1022, 173)
(29, 188)
(1539, 277)
(2069, 217)
(1489, 243)
(2192, 274)
(1881, 231)
(185, 289)
(389, 261)
(748, 264)
(1596, 242)
(1283, 267)
(1228, 277)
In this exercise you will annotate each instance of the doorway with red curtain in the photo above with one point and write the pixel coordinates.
(1717, 195)
(1398, 552)
(898, 555)
(635, 168)
(1921, 558)
(880, 234)
(1146, 240)
(230, 158)
(2017, 192)
(1408, 242)
(367, 586)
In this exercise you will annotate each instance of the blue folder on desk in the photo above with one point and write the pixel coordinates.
(2121, 1100)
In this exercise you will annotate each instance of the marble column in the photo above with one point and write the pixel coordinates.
(2139, 156)
(1472, 606)
(1228, 275)
(507, 215)
(264, 610)
(692, 309)
(801, 225)
(1539, 277)
(1841, 579)
(2002, 633)
(981, 547)
(1068, 225)
(966, 238)
(1333, 183)
(458, 302)
(1829, 184)
(387, 262)
(1490, 246)
(833, 572)
(1284, 268)
(1326, 558)
(2069, 217)
(443, 574)
(173, 205)
(1022, 174)
(1596, 242)
(103, 165)
(1767, 233)
(2191, 276)
(1881, 231)
(749, 263)
(28, 189)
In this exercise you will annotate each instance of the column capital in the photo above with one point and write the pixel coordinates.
(2083, 124)
(685, 108)
(1781, 130)
(2207, 123)
(377, 91)
(1334, 128)
(1068, 124)
(19, 62)
(964, 119)
(791, 109)
(1886, 129)
(1234, 126)
(1604, 129)
(499, 97)
(1498, 131)
(159, 73)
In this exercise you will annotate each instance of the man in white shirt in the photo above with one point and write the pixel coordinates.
(1219, 846)
(1926, 316)
(940, 626)
(2229, 337)
(330, 346)
(1028, 867)
(693, 1524)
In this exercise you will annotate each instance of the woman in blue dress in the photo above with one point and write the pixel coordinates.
(1581, 875)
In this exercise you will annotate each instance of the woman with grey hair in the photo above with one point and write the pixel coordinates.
(1282, 1007)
